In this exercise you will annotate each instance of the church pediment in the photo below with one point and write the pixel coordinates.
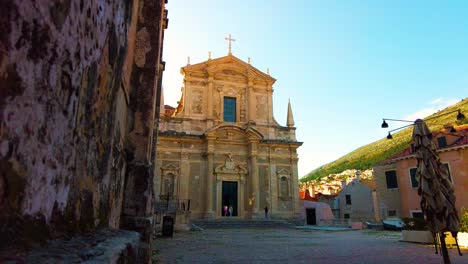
(226, 66)
(170, 168)
(232, 132)
(283, 171)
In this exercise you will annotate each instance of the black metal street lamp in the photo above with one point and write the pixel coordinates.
(460, 116)
(434, 183)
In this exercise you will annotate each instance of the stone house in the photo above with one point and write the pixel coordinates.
(396, 182)
(221, 146)
(356, 200)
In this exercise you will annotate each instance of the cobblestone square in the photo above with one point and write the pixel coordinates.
(294, 246)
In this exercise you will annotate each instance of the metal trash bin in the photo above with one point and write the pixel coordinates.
(168, 226)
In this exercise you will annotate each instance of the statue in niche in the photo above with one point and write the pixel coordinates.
(229, 163)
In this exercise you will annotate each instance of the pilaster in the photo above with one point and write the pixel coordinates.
(250, 101)
(210, 97)
(183, 183)
(295, 183)
(254, 177)
(210, 178)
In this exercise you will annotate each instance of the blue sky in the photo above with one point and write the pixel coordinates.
(344, 64)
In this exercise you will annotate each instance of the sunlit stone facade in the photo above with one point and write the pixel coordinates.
(222, 147)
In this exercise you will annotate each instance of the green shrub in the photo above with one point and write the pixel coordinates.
(464, 220)
(418, 224)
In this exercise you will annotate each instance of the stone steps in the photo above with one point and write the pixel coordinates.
(241, 223)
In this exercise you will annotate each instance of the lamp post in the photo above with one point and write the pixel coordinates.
(435, 189)
(460, 116)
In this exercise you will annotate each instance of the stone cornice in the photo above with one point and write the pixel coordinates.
(281, 142)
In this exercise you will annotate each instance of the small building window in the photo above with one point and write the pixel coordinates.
(442, 142)
(417, 214)
(229, 109)
(346, 216)
(413, 179)
(446, 165)
(391, 213)
(348, 199)
(391, 178)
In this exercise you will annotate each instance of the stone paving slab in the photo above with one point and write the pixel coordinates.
(294, 246)
(324, 228)
(102, 246)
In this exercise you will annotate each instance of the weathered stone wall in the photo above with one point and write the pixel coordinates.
(79, 85)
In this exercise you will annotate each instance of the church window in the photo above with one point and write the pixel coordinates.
(168, 185)
(284, 187)
(229, 109)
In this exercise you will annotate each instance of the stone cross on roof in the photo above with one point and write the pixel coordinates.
(230, 40)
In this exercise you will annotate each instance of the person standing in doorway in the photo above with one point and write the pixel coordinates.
(230, 210)
(225, 209)
(266, 212)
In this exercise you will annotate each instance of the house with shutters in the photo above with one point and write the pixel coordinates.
(396, 182)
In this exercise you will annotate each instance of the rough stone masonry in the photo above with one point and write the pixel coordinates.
(79, 92)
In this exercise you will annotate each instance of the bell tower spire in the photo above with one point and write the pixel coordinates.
(290, 120)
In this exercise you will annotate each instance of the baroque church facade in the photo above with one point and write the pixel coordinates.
(221, 147)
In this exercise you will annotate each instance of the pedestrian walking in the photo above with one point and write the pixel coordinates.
(266, 212)
(225, 209)
(230, 210)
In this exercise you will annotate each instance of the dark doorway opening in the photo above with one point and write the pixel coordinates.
(311, 218)
(229, 198)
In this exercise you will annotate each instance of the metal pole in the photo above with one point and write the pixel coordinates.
(444, 248)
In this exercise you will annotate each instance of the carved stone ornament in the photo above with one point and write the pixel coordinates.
(283, 172)
(230, 166)
(170, 168)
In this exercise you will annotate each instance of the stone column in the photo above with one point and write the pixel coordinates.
(209, 180)
(254, 176)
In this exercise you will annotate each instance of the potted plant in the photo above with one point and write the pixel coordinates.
(414, 230)
(462, 235)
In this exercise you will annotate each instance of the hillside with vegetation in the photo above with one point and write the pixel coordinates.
(366, 156)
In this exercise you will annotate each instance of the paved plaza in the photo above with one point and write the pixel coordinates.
(294, 246)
